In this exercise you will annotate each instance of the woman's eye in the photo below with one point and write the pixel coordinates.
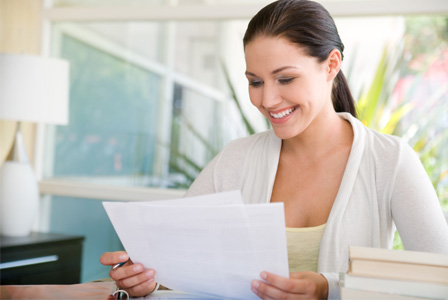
(285, 80)
(255, 83)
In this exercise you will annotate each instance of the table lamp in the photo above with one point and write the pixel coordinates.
(32, 89)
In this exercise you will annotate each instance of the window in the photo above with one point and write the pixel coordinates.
(144, 111)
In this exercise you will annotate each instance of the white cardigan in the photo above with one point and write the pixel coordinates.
(384, 185)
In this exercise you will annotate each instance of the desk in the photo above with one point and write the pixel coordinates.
(91, 291)
(40, 258)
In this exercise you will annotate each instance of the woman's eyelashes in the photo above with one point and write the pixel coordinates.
(255, 83)
(285, 80)
(282, 81)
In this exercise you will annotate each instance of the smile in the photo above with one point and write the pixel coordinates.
(283, 113)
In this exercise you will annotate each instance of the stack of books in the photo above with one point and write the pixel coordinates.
(394, 274)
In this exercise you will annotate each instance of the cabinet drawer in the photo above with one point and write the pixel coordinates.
(42, 262)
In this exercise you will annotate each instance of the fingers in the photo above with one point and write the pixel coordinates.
(269, 292)
(301, 285)
(142, 289)
(132, 275)
(285, 284)
(135, 279)
(278, 287)
(113, 258)
(263, 291)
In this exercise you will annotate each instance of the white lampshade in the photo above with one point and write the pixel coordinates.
(34, 89)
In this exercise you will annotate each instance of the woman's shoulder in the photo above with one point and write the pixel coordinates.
(242, 152)
(229, 166)
(388, 145)
(385, 142)
(377, 142)
(246, 144)
(388, 153)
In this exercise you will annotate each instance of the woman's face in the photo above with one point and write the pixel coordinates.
(290, 88)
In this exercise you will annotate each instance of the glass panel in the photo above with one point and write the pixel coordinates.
(196, 135)
(198, 51)
(134, 108)
(113, 115)
(142, 39)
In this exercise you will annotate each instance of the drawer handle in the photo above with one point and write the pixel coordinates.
(29, 261)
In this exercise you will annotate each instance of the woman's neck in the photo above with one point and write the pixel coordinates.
(324, 135)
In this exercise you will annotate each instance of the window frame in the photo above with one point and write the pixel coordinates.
(337, 8)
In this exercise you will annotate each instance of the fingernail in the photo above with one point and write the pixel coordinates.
(150, 273)
(150, 280)
(255, 284)
(138, 268)
(264, 275)
(123, 257)
(254, 290)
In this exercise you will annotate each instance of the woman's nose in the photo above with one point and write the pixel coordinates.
(271, 97)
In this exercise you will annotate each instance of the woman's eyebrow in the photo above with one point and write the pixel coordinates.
(282, 69)
(273, 72)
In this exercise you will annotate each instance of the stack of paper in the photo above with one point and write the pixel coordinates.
(392, 274)
(211, 245)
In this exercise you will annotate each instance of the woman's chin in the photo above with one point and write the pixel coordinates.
(285, 133)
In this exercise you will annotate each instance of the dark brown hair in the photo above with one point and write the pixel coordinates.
(309, 25)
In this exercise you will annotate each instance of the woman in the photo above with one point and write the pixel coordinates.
(341, 183)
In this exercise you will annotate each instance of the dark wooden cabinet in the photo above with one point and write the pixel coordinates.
(41, 258)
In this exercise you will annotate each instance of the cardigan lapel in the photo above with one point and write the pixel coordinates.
(331, 242)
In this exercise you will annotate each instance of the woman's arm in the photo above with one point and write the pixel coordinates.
(415, 207)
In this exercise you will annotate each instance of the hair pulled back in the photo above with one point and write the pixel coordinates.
(309, 25)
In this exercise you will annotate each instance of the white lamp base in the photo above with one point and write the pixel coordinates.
(19, 198)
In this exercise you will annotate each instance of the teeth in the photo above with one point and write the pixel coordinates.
(283, 113)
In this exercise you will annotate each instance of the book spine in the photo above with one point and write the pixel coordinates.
(391, 270)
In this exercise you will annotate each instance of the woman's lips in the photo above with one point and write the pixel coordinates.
(282, 115)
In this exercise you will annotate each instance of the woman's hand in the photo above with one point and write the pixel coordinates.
(132, 278)
(300, 285)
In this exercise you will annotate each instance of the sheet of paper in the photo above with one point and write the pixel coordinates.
(214, 246)
(230, 197)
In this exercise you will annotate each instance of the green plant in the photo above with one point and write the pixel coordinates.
(374, 107)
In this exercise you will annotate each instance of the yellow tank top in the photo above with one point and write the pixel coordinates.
(303, 247)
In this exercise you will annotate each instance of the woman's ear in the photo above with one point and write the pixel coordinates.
(333, 63)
